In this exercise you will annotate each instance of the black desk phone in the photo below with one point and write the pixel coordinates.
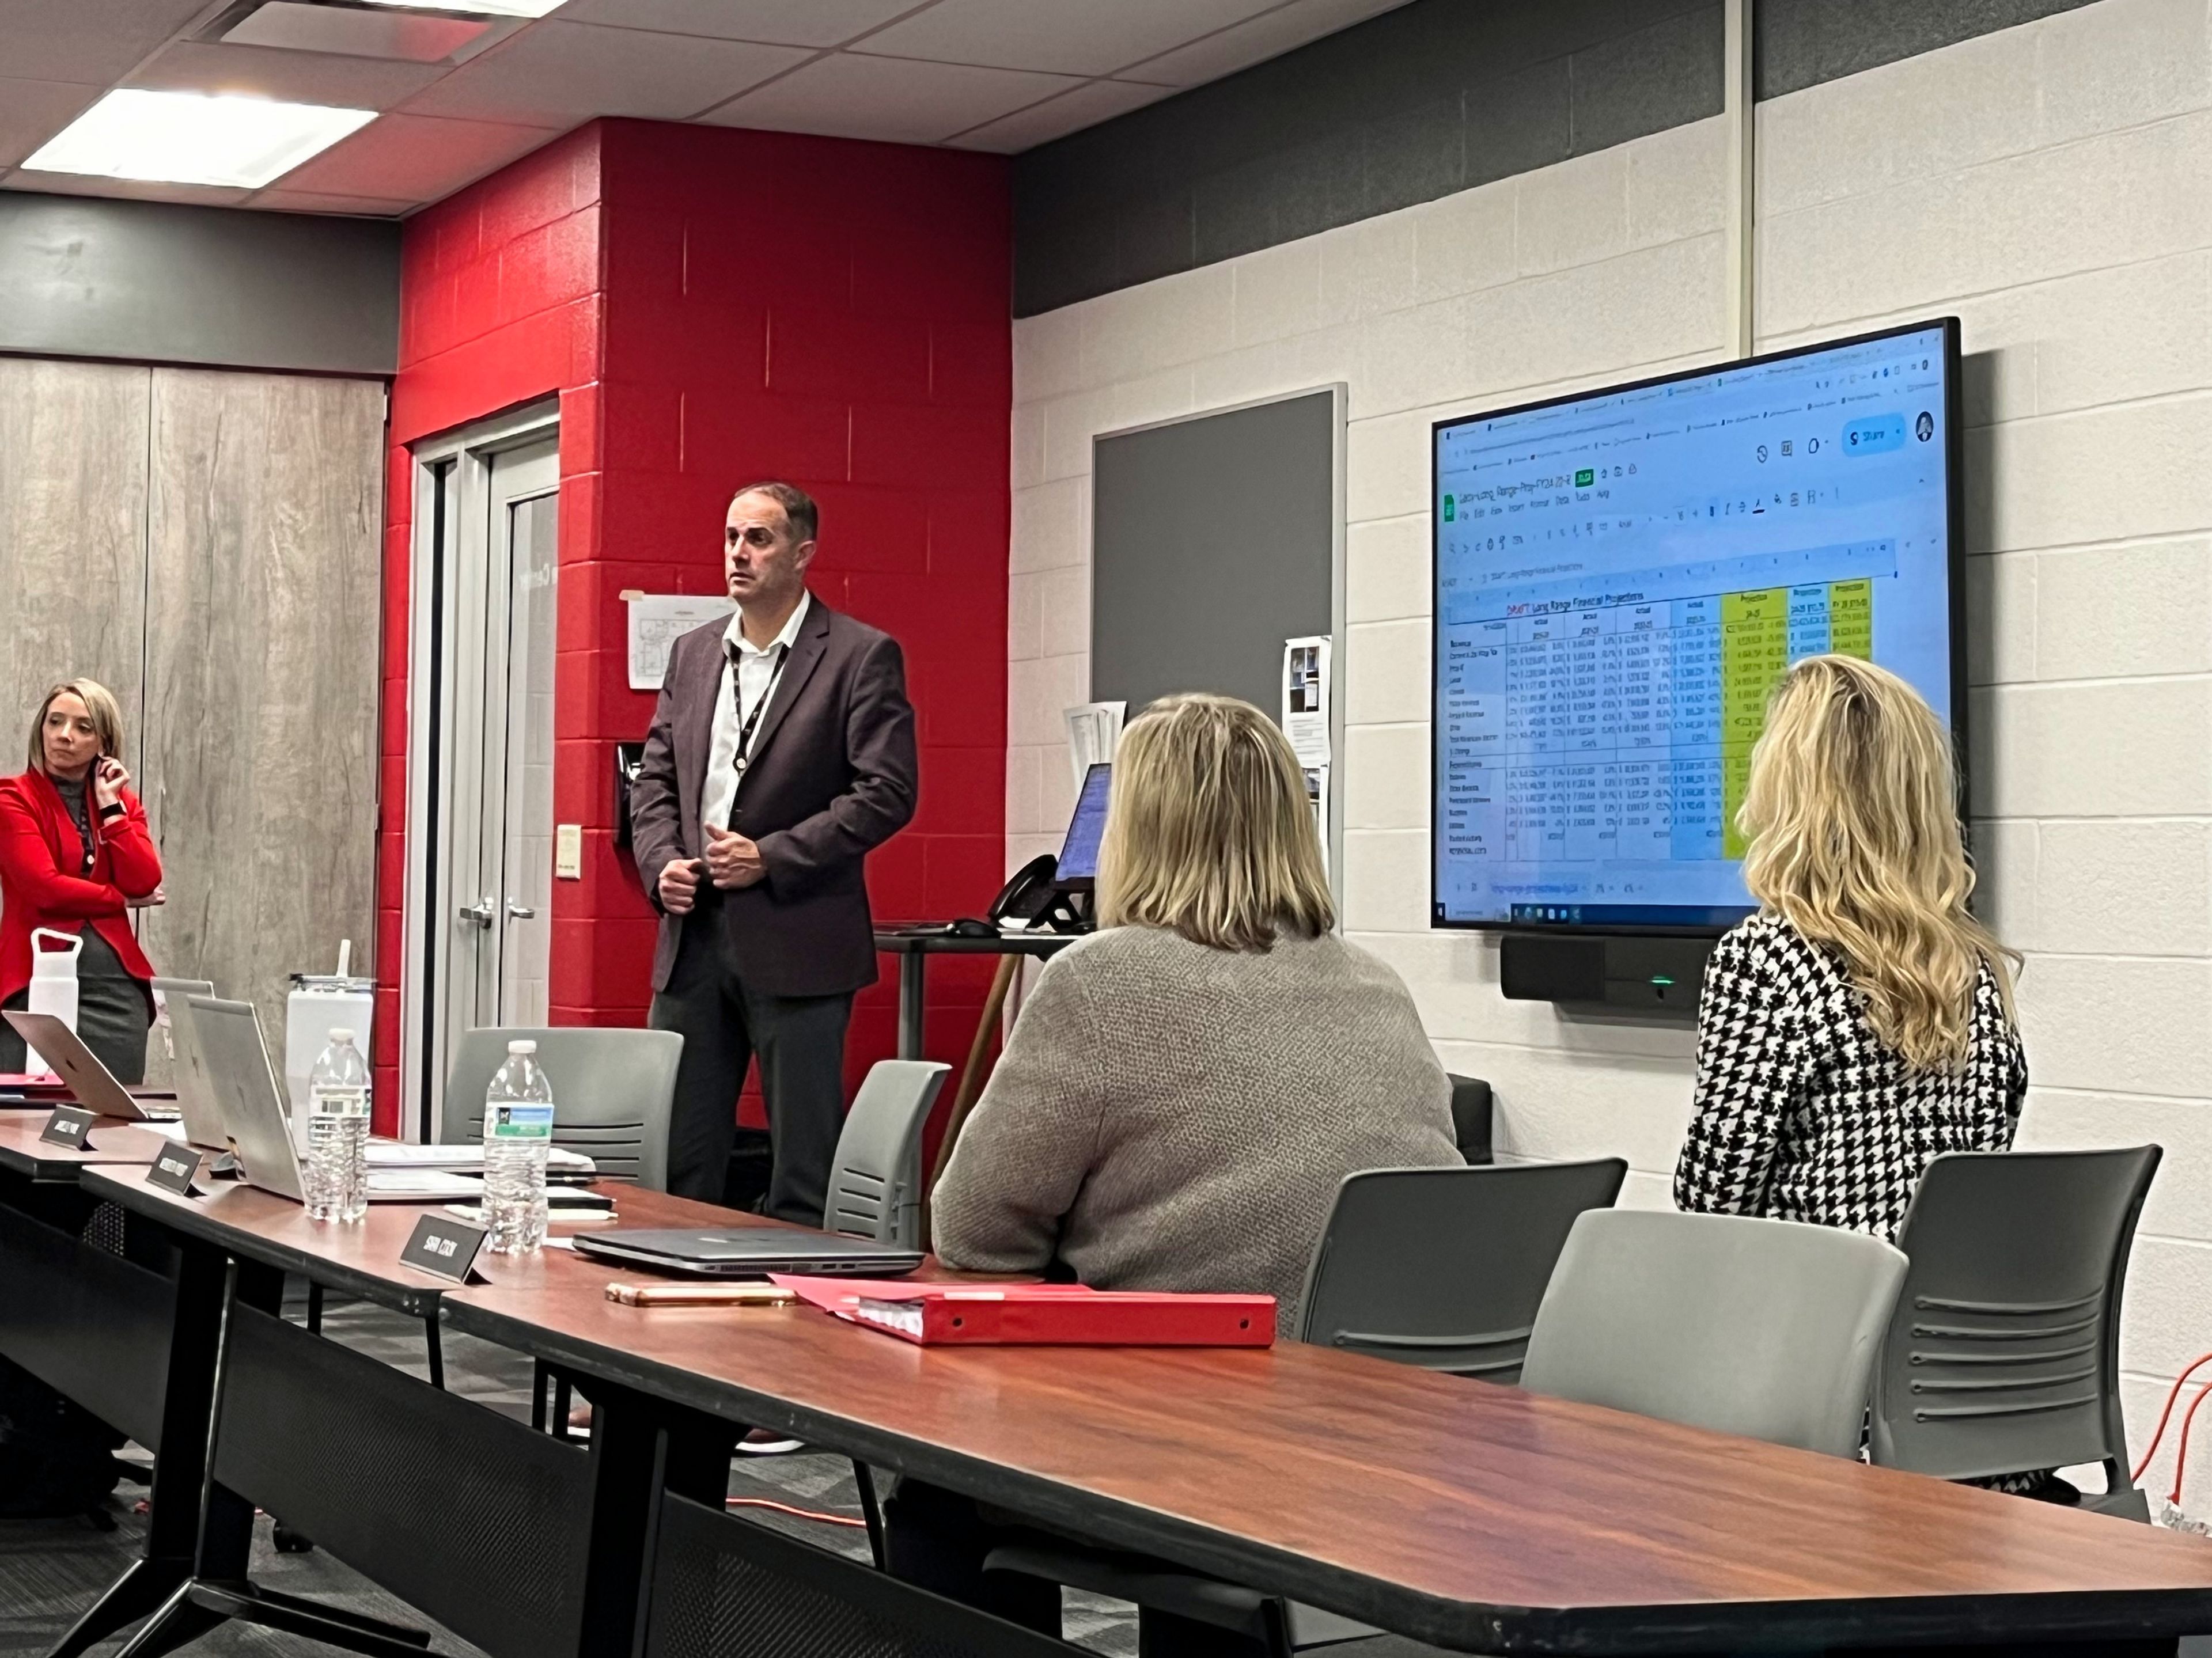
(1032, 895)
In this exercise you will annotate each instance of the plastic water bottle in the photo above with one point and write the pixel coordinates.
(338, 1133)
(518, 1134)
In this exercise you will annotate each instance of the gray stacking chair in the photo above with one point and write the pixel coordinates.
(875, 1187)
(1445, 1268)
(2004, 1355)
(1442, 1268)
(612, 1092)
(876, 1180)
(1766, 1328)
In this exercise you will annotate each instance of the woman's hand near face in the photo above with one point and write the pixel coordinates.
(108, 781)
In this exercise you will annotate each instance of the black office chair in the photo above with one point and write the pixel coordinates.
(1440, 1268)
(2003, 1354)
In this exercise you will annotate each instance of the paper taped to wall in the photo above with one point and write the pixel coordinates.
(1305, 699)
(1094, 731)
(657, 620)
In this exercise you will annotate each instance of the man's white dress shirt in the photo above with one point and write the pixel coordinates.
(736, 700)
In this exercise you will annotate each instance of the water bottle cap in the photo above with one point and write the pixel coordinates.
(522, 1046)
(340, 1034)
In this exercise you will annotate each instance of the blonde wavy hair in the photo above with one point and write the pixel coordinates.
(98, 701)
(1851, 816)
(1208, 830)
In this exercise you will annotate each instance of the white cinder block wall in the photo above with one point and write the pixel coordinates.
(2051, 184)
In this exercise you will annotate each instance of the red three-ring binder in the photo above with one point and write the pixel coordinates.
(1040, 1314)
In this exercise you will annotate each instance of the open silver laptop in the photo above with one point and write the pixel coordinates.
(196, 1105)
(166, 990)
(226, 1037)
(92, 1083)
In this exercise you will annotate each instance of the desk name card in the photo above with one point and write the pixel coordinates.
(68, 1125)
(174, 1170)
(446, 1248)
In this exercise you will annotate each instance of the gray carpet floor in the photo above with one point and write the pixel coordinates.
(50, 1570)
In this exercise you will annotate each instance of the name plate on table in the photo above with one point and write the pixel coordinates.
(445, 1247)
(174, 1170)
(68, 1125)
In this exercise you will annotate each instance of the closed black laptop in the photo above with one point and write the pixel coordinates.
(749, 1251)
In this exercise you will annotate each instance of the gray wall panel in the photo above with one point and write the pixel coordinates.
(263, 608)
(72, 538)
(1213, 541)
(1802, 43)
(84, 276)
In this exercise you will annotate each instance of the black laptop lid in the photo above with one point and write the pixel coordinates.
(751, 1248)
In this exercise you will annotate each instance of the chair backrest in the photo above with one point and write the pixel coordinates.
(2004, 1353)
(1445, 1268)
(1766, 1328)
(875, 1183)
(612, 1092)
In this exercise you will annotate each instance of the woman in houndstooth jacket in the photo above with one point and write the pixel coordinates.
(1861, 1023)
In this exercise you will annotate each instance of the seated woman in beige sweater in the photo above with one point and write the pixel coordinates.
(1185, 1090)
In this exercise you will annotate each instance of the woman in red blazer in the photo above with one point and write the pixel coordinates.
(75, 857)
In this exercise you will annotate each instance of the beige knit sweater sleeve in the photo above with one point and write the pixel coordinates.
(1030, 1140)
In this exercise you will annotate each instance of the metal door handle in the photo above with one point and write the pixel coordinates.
(480, 914)
(520, 911)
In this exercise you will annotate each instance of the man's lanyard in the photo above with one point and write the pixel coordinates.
(746, 722)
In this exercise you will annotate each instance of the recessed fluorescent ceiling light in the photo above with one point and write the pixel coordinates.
(195, 138)
(480, 8)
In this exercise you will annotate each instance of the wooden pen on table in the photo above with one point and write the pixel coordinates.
(700, 1295)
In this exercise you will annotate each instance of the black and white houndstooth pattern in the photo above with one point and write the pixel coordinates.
(1803, 1113)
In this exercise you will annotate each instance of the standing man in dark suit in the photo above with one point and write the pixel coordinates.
(782, 751)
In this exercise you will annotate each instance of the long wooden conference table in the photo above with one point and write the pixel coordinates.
(1471, 1516)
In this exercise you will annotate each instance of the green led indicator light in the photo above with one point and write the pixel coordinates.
(1661, 979)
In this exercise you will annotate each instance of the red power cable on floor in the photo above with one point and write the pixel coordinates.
(2172, 1394)
(2181, 1453)
(796, 1514)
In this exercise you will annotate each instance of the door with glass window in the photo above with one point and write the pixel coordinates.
(507, 909)
(502, 829)
(483, 624)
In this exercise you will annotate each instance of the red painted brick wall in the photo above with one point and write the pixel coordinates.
(500, 305)
(753, 305)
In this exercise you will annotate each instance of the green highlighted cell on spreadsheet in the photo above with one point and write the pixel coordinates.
(1763, 631)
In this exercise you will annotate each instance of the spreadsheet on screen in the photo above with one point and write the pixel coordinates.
(1622, 579)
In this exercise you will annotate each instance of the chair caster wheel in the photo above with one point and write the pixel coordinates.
(289, 1541)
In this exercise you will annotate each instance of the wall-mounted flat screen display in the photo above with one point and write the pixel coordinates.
(1621, 580)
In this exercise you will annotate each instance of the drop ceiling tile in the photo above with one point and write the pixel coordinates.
(784, 22)
(299, 77)
(87, 40)
(557, 73)
(32, 112)
(413, 158)
(1066, 37)
(899, 99)
(136, 190)
(1269, 35)
(1087, 106)
(412, 37)
(312, 201)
